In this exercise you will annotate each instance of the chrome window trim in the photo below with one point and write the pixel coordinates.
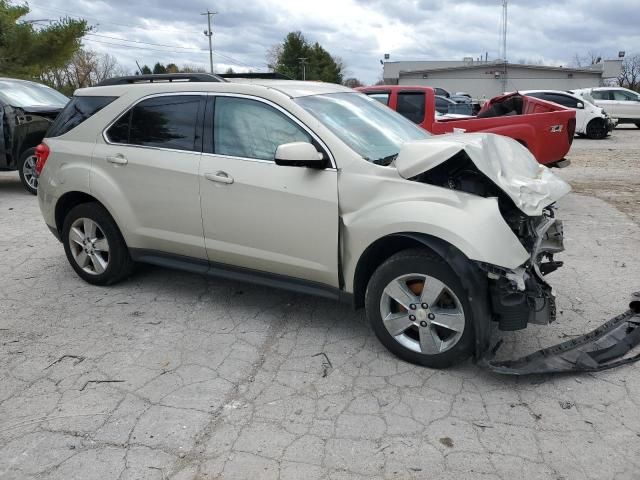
(288, 114)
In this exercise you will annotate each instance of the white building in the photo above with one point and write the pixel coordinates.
(488, 79)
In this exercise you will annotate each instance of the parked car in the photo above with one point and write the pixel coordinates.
(545, 128)
(312, 187)
(26, 112)
(591, 121)
(621, 103)
(447, 106)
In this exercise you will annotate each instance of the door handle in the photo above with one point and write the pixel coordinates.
(220, 177)
(117, 159)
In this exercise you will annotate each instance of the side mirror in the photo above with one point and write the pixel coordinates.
(580, 105)
(299, 154)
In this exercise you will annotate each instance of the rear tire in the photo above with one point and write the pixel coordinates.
(432, 324)
(94, 245)
(27, 171)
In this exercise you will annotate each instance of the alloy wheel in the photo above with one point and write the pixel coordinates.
(422, 313)
(29, 171)
(89, 246)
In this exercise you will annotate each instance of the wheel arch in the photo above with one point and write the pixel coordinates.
(69, 200)
(472, 277)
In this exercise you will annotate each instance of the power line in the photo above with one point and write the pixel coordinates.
(219, 54)
(84, 17)
(140, 48)
(146, 43)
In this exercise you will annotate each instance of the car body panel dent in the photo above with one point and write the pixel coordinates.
(531, 186)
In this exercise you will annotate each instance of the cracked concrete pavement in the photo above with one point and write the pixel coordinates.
(170, 375)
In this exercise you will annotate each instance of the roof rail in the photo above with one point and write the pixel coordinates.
(259, 75)
(162, 77)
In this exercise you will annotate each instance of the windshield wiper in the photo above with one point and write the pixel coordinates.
(385, 161)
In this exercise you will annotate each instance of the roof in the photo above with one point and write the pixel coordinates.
(290, 88)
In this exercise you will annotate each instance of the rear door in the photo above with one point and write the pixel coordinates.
(566, 101)
(627, 103)
(150, 157)
(256, 214)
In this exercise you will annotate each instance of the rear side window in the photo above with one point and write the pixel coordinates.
(77, 111)
(382, 97)
(165, 122)
(563, 100)
(600, 94)
(411, 106)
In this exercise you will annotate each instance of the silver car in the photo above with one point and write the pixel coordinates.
(312, 187)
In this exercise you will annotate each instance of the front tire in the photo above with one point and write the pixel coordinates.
(597, 129)
(94, 245)
(27, 171)
(419, 309)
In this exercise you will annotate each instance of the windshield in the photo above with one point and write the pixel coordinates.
(371, 129)
(29, 94)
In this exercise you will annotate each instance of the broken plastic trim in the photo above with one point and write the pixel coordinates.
(603, 348)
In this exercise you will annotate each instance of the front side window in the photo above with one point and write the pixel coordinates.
(600, 94)
(251, 129)
(370, 129)
(411, 106)
(165, 122)
(77, 111)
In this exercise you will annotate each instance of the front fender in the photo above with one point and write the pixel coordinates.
(473, 225)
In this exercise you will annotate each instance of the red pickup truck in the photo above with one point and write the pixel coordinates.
(545, 128)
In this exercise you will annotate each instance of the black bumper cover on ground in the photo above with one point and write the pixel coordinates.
(607, 346)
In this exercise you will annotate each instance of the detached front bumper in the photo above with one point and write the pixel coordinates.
(608, 346)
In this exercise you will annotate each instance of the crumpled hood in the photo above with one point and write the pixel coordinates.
(531, 186)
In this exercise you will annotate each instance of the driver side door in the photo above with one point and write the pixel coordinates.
(257, 215)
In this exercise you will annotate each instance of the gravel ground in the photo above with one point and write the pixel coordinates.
(175, 376)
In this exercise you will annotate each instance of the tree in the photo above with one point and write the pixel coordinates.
(630, 74)
(229, 71)
(159, 68)
(26, 51)
(145, 70)
(352, 83)
(187, 68)
(298, 59)
(85, 69)
(592, 57)
(172, 68)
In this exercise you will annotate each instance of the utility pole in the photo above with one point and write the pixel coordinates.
(303, 61)
(209, 34)
(504, 43)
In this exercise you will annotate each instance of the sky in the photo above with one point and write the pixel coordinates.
(360, 32)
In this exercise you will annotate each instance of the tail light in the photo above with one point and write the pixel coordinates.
(42, 153)
(571, 129)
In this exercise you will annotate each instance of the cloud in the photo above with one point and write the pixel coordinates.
(360, 32)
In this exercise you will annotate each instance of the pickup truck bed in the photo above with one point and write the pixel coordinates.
(545, 128)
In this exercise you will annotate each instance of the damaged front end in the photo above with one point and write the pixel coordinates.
(522, 295)
(490, 166)
(526, 193)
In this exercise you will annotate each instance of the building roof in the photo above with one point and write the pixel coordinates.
(500, 65)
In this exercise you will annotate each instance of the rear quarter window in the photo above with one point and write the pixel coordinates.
(79, 109)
